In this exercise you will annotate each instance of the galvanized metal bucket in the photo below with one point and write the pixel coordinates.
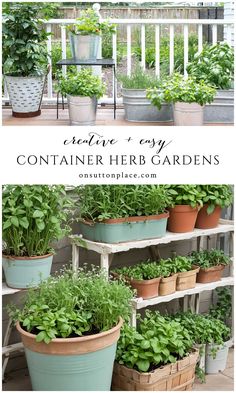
(25, 94)
(221, 110)
(84, 47)
(217, 363)
(82, 110)
(188, 114)
(139, 109)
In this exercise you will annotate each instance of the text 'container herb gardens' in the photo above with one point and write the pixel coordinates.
(85, 34)
(33, 217)
(69, 326)
(137, 106)
(119, 213)
(25, 56)
(82, 90)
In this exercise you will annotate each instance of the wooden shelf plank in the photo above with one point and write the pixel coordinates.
(110, 248)
(141, 303)
(9, 291)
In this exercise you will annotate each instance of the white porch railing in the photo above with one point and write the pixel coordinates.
(130, 23)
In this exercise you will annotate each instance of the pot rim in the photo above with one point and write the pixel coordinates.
(212, 268)
(127, 219)
(185, 208)
(33, 257)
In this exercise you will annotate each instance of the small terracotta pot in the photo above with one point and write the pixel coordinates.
(168, 285)
(182, 218)
(146, 289)
(210, 274)
(187, 280)
(207, 221)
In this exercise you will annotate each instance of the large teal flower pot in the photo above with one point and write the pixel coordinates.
(26, 272)
(125, 229)
(72, 364)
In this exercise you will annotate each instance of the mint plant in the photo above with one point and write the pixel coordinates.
(177, 88)
(89, 23)
(216, 195)
(33, 217)
(182, 264)
(214, 65)
(185, 194)
(70, 305)
(209, 258)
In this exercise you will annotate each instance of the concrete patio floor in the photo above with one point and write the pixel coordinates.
(104, 117)
(19, 380)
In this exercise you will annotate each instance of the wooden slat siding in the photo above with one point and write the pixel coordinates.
(200, 38)
(214, 34)
(157, 46)
(128, 49)
(49, 49)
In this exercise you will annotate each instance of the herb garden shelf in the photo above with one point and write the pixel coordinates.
(191, 296)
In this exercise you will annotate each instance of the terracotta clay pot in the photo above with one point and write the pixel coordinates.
(146, 289)
(182, 218)
(187, 280)
(210, 274)
(168, 285)
(207, 221)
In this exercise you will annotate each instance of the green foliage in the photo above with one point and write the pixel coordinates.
(156, 342)
(56, 55)
(217, 195)
(181, 264)
(70, 305)
(214, 65)
(185, 194)
(24, 37)
(99, 202)
(200, 373)
(88, 23)
(33, 216)
(177, 88)
(208, 258)
(150, 53)
(82, 83)
(139, 79)
(223, 308)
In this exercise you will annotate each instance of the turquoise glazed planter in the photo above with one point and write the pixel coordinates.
(26, 272)
(125, 229)
(72, 364)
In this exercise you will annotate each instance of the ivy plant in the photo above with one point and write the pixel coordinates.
(69, 305)
(185, 194)
(89, 23)
(82, 83)
(24, 37)
(100, 202)
(216, 195)
(33, 216)
(177, 88)
(156, 342)
(214, 65)
(209, 258)
(222, 310)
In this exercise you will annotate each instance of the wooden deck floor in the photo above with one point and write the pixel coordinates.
(104, 117)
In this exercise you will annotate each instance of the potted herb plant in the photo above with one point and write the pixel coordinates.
(85, 34)
(82, 90)
(188, 96)
(32, 217)
(137, 106)
(211, 263)
(187, 272)
(158, 356)
(215, 197)
(69, 326)
(186, 201)
(25, 56)
(119, 213)
(215, 65)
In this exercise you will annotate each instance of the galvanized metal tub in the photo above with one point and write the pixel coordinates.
(139, 109)
(82, 110)
(221, 110)
(186, 114)
(84, 47)
(217, 363)
(25, 94)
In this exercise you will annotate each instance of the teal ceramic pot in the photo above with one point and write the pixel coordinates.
(125, 229)
(72, 364)
(26, 272)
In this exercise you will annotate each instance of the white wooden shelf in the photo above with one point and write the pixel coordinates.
(199, 288)
(9, 291)
(112, 248)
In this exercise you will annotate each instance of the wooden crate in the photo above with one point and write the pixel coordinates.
(176, 376)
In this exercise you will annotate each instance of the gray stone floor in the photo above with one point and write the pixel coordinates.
(19, 380)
